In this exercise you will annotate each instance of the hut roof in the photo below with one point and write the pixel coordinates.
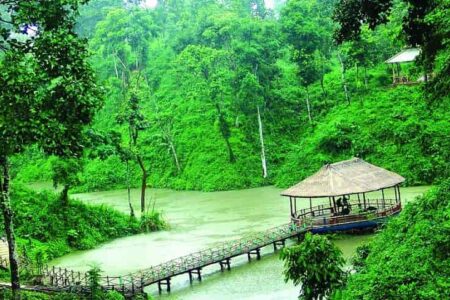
(343, 178)
(406, 55)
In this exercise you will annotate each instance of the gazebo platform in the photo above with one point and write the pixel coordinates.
(355, 191)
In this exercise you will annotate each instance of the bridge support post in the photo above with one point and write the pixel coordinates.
(198, 272)
(225, 263)
(165, 282)
(257, 252)
(281, 243)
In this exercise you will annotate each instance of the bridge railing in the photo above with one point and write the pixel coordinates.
(216, 253)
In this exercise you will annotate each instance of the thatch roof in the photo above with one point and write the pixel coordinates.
(406, 55)
(343, 178)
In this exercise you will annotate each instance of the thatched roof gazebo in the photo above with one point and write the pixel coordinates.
(341, 183)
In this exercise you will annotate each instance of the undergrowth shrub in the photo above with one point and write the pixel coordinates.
(410, 258)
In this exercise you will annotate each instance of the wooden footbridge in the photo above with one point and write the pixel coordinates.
(133, 284)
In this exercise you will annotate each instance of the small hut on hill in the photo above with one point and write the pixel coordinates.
(4, 253)
(406, 56)
(350, 193)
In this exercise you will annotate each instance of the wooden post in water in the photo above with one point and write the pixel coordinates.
(359, 201)
(199, 274)
(364, 200)
(290, 203)
(295, 205)
(395, 193)
(334, 205)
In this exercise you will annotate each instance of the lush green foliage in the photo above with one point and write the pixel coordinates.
(48, 92)
(425, 25)
(200, 90)
(410, 258)
(47, 230)
(392, 128)
(317, 264)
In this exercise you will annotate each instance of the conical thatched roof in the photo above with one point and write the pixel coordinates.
(343, 178)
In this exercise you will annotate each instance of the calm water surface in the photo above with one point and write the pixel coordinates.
(199, 220)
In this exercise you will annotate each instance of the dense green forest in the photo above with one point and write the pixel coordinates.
(216, 95)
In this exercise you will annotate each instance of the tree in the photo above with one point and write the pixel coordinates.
(254, 49)
(125, 57)
(47, 91)
(66, 173)
(316, 264)
(310, 40)
(209, 65)
(251, 94)
(134, 118)
(92, 13)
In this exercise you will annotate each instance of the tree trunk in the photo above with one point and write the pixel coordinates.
(322, 85)
(115, 68)
(225, 130)
(308, 106)
(129, 190)
(175, 156)
(365, 78)
(231, 156)
(143, 183)
(263, 149)
(65, 195)
(5, 203)
(322, 78)
(344, 82)
(357, 76)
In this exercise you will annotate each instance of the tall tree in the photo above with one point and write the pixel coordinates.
(310, 40)
(125, 57)
(47, 91)
(210, 66)
(254, 49)
(134, 118)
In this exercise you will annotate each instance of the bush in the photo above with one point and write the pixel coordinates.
(152, 221)
(316, 264)
(47, 230)
(410, 258)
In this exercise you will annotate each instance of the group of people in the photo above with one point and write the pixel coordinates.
(343, 205)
